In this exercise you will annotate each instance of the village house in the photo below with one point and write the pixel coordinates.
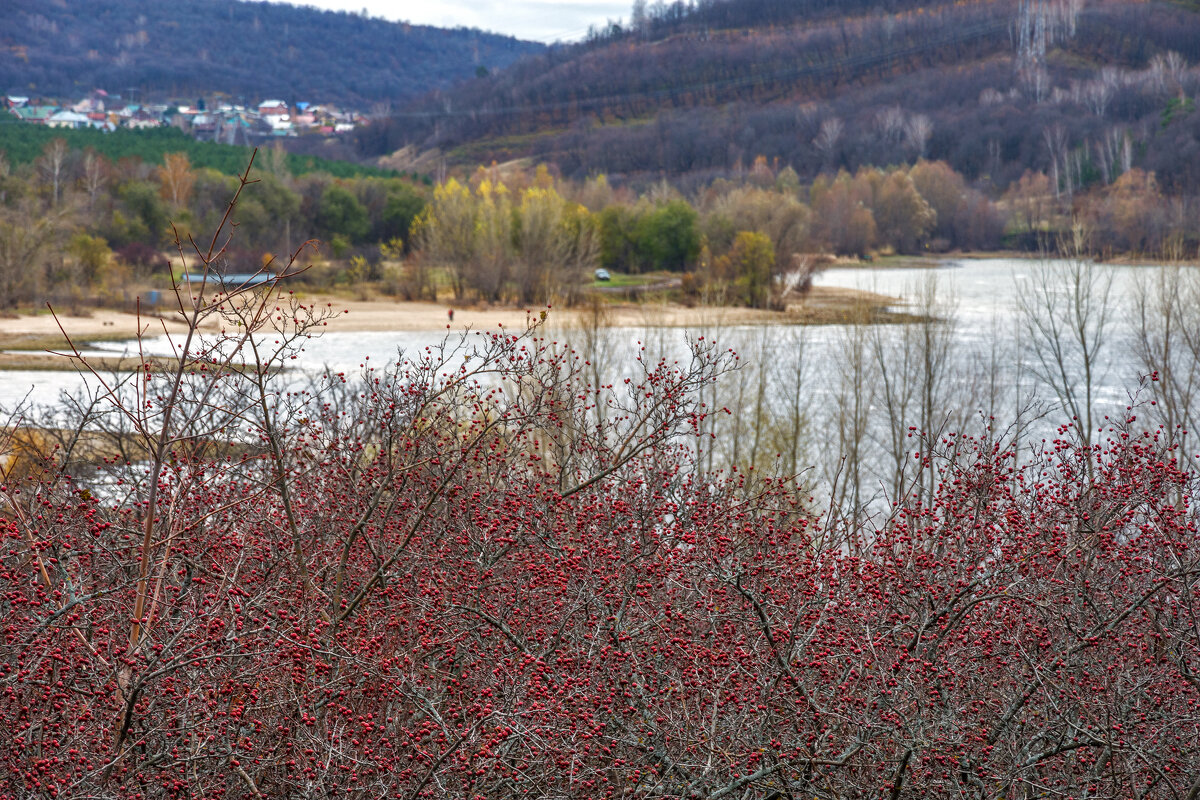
(66, 118)
(137, 118)
(35, 114)
(218, 120)
(96, 100)
(102, 121)
(273, 108)
(204, 126)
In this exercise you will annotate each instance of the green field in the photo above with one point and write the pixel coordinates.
(23, 142)
(621, 280)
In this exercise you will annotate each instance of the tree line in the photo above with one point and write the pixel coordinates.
(700, 17)
(745, 241)
(76, 225)
(24, 143)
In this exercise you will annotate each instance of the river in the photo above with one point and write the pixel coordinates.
(987, 339)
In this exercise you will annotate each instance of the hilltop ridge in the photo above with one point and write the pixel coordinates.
(252, 50)
(993, 88)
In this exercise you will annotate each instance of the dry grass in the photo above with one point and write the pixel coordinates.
(58, 361)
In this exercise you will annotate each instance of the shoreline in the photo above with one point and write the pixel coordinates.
(823, 305)
(36, 341)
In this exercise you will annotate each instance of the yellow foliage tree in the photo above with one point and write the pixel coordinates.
(176, 179)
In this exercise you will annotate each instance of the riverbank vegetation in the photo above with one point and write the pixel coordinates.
(79, 229)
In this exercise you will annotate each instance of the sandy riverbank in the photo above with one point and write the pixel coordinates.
(823, 305)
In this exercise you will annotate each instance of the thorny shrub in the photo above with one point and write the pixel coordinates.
(455, 578)
(468, 590)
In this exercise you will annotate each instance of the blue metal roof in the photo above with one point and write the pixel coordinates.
(232, 280)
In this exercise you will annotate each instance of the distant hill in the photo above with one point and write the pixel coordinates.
(994, 87)
(248, 50)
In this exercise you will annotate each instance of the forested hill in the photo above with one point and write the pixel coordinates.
(994, 87)
(246, 49)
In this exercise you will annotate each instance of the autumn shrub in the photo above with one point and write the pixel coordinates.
(750, 267)
(146, 260)
(481, 573)
(421, 584)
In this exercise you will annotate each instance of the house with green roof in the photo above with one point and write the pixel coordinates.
(36, 114)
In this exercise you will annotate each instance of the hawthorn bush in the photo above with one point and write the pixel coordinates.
(474, 574)
(448, 579)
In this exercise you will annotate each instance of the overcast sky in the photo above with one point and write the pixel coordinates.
(536, 20)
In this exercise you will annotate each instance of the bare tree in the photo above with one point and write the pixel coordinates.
(1165, 311)
(591, 336)
(917, 131)
(1111, 152)
(762, 414)
(95, 176)
(638, 18)
(1167, 72)
(828, 138)
(275, 162)
(1055, 137)
(1066, 312)
(52, 164)
(1176, 68)
(891, 122)
(794, 372)
(1097, 95)
(1036, 82)
(912, 366)
(710, 434)
(1041, 23)
(847, 465)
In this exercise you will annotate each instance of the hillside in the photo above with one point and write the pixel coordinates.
(992, 87)
(244, 49)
